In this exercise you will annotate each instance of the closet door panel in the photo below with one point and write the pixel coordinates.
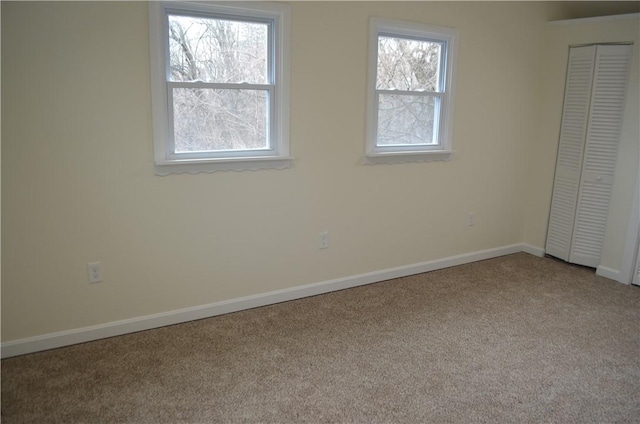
(575, 115)
(600, 154)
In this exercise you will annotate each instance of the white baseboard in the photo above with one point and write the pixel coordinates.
(610, 273)
(533, 250)
(116, 328)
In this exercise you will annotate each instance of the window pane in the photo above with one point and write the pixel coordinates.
(407, 120)
(217, 50)
(407, 64)
(220, 120)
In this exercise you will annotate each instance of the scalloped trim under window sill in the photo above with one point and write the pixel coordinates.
(192, 166)
(406, 157)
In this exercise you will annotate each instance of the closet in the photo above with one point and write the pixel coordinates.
(594, 99)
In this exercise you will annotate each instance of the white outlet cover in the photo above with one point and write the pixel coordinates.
(324, 240)
(94, 271)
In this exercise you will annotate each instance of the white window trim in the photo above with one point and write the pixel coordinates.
(279, 157)
(375, 154)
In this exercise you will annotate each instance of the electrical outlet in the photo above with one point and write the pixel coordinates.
(324, 240)
(94, 269)
(471, 219)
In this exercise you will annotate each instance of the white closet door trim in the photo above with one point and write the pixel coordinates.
(631, 259)
(636, 274)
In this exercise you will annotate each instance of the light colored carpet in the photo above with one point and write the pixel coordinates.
(515, 339)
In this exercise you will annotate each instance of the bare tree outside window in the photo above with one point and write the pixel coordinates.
(219, 66)
(408, 71)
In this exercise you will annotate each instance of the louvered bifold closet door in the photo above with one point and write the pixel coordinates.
(601, 151)
(575, 115)
(589, 137)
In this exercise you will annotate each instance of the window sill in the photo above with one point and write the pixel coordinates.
(196, 166)
(406, 157)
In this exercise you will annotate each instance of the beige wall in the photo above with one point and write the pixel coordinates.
(542, 153)
(78, 183)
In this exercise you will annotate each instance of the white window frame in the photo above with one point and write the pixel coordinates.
(277, 155)
(411, 153)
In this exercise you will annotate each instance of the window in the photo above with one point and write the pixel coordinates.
(410, 107)
(219, 75)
